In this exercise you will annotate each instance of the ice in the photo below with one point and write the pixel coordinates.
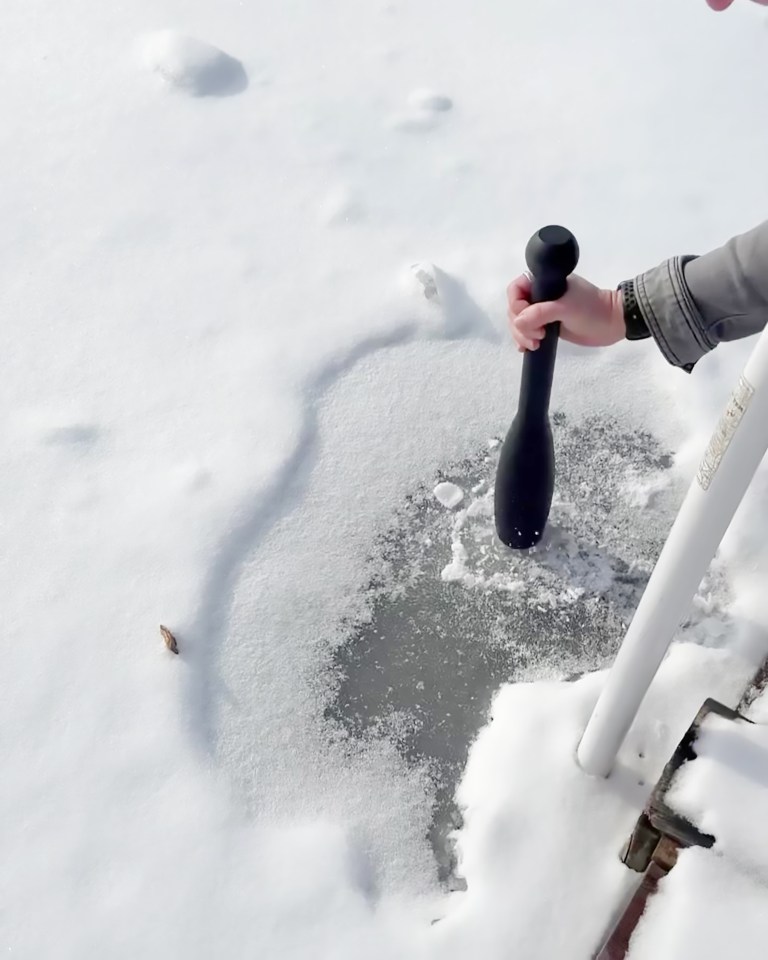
(449, 494)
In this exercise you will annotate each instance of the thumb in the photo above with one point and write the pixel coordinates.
(534, 318)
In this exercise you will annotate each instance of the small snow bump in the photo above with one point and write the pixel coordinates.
(71, 434)
(340, 206)
(424, 274)
(429, 101)
(422, 112)
(191, 477)
(448, 494)
(192, 66)
(60, 428)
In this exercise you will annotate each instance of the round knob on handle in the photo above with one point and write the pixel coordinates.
(551, 255)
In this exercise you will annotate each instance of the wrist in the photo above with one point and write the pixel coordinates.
(617, 314)
(615, 311)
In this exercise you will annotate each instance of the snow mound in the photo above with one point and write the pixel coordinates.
(193, 66)
(422, 112)
(525, 801)
(62, 428)
(341, 206)
(706, 908)
(429, 101)
(425, 276)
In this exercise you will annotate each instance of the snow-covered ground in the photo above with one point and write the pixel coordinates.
(221, 379)
(715, 902)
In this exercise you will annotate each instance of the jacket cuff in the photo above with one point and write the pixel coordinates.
(671, 315)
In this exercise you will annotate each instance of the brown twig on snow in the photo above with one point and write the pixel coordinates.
(170, 640)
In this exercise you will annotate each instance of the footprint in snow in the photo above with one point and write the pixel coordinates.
(194, 67)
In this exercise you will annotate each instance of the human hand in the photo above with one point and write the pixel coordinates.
(724, 4)
(588, 316)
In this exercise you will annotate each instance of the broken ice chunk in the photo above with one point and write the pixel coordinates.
(449, 494)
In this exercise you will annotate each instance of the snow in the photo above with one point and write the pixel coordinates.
(715, 901)
(429, 101)
(706, 908)
(723, 793)
(523, 772)
(221, 376)
(195, 67)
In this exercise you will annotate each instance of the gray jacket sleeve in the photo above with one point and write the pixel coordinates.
(690, 304)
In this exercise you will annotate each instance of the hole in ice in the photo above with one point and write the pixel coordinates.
(451, 614)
